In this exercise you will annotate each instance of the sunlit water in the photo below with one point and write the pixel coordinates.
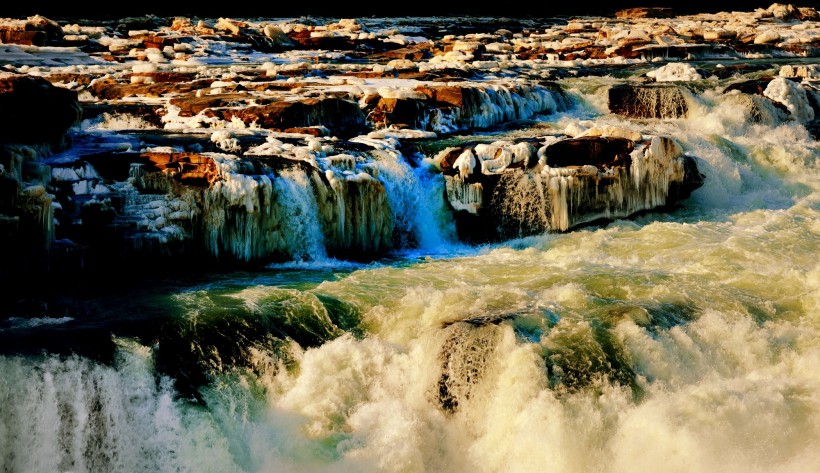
(678, 342)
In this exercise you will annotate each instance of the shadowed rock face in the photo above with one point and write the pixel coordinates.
(34, 118)
(597, 151)
(648, 101)
(34, 111)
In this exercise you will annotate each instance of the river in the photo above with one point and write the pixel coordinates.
(679, 341)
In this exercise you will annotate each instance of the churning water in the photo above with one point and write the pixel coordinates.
(679, 342)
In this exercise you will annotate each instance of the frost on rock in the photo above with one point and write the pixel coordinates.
(793, 96)
(537, 198)
(675, 71)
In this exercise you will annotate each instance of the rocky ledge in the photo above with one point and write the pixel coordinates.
(150, 140)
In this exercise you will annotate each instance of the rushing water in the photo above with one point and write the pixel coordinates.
(679, 342)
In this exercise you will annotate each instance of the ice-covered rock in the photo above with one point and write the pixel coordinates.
(793, 96)
(675, 71)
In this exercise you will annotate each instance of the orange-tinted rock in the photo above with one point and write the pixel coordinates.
(159, 42)
(340, 116)
(35, 38)
(190, 105)
(189, 168)
(645, 12)
(330, 43)
(110, 89)
(316, 131)
(36, 30)
(165, 76)
(66, 77)
(392, 111)
(415, 52)
(446, 162)
(446, 94)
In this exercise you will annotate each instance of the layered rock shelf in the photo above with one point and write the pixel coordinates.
(229, 140)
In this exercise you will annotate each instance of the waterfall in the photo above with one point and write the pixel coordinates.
(76, 415)
(493, 104)
(303, 229)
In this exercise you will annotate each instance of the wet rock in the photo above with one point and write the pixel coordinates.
(342, 117)
(465, 356)
(648, 101)
(598, 179)
(406, 112)
(590, 150)
(751, 86)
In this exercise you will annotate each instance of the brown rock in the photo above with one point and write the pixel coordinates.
(339, 115)
(110, 89)
(645, 12)
(165, 76)
(159, 42)
(445, 94)
(36, 30)
(414, 52)
(191, 105)
(450, 157)
(35, 38)
(752, 86)
(189, 168)
(66, 77)
(648, 101)
(181, 23)
(808, 14)
(392, 111)
(34, 111)
(316, 131)
(594, 150)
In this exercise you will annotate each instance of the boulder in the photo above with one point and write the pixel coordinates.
(645, 12)
(648, 101)
(398, 112)
(594, 179)
(34, 110)
(597, 151)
